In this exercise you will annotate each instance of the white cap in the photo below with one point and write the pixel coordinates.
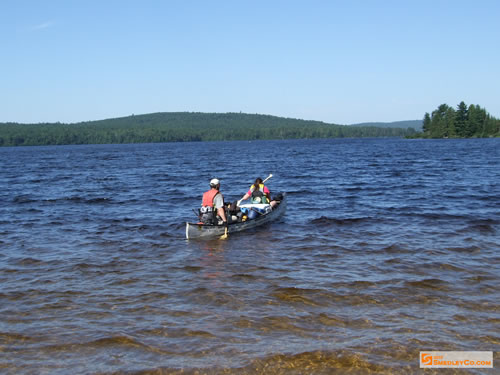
(214, 182)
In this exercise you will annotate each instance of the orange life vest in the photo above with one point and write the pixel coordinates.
(208, 198)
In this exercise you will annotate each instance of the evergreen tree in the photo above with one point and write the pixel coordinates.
(461, 118)
(476, 121)
(426, 127)
(440, 122)
(492, 127)
(450, 123)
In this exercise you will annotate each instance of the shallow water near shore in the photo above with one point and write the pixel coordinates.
(389, 247)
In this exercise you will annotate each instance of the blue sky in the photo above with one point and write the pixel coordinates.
(335, 61)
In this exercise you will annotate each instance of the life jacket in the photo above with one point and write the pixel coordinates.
(208, 198)
(258, 194)
(207, 213)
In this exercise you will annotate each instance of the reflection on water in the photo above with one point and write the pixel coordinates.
(388, 247)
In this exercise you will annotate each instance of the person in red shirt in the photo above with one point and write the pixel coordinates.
(259, 193)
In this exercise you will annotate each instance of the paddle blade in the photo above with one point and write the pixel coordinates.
(224, 236)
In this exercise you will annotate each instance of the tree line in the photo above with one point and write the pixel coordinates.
(183, 127)
(462, 122)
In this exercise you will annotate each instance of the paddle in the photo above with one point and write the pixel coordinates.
(224, 236)
(267, 178)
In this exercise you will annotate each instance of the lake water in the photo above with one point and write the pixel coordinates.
(388, 247)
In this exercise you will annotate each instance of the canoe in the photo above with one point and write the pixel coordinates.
(195, 230)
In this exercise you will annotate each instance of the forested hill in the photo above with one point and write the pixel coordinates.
(182, 127)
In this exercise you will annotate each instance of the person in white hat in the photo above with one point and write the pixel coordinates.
(213, 202)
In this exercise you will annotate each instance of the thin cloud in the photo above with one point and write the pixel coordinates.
(42, 26)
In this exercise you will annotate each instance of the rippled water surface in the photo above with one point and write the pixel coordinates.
(389, 247)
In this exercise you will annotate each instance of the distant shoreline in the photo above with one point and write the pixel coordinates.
(185, 127)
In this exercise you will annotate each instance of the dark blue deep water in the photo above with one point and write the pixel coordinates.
(389, 247)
